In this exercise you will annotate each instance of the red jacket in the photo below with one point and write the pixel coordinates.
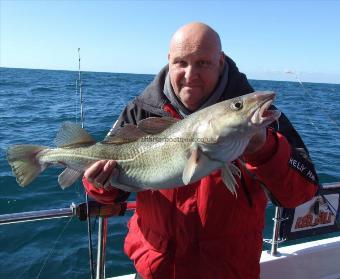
(202, 230)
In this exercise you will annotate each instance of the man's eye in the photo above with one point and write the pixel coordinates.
(181, 63)
(203, 63)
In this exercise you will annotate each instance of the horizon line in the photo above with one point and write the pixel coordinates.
(98, 71)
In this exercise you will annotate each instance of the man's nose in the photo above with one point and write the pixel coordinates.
(190, 73)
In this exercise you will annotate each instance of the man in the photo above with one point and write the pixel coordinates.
(202, 230)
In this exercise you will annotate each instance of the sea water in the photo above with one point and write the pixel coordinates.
(34, 103)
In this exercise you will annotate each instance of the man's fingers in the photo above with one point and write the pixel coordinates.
(92, 172)
(100, 172)
(106, 172)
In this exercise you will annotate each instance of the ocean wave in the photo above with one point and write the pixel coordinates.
(12, 84)
(41, 89)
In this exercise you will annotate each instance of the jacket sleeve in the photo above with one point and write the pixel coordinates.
(109, 196)
(284, 168)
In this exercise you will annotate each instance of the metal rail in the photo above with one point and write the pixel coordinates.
(82, 211)
(278, 219)
(276, 231)
(101, 252)
(30, 216)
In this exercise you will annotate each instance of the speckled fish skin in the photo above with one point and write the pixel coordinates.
(183, 153)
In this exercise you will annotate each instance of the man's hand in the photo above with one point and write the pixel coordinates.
(256, 142)
(100, 173)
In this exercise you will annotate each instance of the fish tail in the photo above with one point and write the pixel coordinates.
(24, 163)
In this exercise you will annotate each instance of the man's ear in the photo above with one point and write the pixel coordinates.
(221, 61)
(222, 58)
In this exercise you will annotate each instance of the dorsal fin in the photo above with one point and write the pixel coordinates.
(155, 125)
(125, 134)
(72, 135)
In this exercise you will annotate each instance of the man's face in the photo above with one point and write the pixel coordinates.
(194, 72)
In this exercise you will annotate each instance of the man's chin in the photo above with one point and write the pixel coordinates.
(192, 90)
(190, 98)
(191, 105)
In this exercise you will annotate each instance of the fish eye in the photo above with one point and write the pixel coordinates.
(237, 105)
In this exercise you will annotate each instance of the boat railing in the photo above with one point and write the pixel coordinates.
(317, 216)
(82, 211)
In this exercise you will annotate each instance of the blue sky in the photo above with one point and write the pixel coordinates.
(265, 38)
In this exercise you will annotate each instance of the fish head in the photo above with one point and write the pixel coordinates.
(257, 112)
(240, 116)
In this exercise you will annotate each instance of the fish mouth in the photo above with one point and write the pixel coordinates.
(262, 115)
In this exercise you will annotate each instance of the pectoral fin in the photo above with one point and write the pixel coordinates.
(191, 165)
(228, 179)
(234, 170)
(196, 165)
(68, 177)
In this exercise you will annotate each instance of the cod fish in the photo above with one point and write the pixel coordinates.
(158, 153)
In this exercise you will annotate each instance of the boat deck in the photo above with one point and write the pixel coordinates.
(310, 260)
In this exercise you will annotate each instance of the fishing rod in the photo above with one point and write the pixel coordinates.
(89, 230)
(80, 91)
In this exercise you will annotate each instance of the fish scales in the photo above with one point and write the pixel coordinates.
(155, 160)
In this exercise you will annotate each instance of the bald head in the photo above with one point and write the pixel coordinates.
(196, 62)
(196, 35)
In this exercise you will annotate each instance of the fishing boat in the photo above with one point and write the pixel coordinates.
(308, 259)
